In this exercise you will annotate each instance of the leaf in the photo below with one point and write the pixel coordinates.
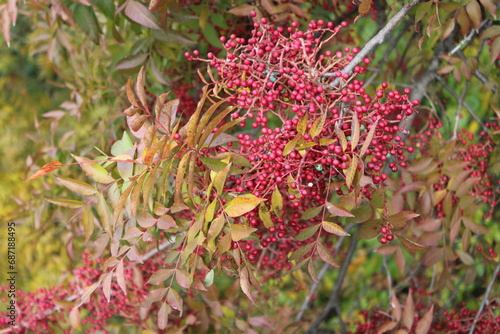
(318, 125)
(465, 257)
(338, 210)
(312, 270)
(104, 214)
(409, 311)
(137, 12)
(364, 7)
(466, 186)
(311, 212)
(88, 223)
(265, 216)
(242, 10)
(95, 171)
(160, 276)
(307, 232)
(424, 324)
(209, 278)
(333, 228)
(419, 165)
(87, 21)
(370, 229)
(474, 11)
(172, 36)
(154, 296)
(354, 131)
(490, 6)
(368, 139)
(166, 222)
(241, 205)
(378, 197)
(220, 179)
(74, 318)
(67, 203)
(325, 255)
(120, 277)
(400, 219)
(45, 169)
(140, 90)
(411, 246)
(174, 300)
(245, 283)
(211, 36)
(351, 171)
(88, 291)
(302, 124)
(163, 316)
(290, 146)
(132, 61)
(422, 9)
(298, 253)
(475, 228)
(239, 232)
(277, 202)
(341, 136)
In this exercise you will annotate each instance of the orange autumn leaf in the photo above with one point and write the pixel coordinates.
(45, 169)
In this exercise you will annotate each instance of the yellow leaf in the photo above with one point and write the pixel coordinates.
(67, 203)
(239, 232)
(95, 171)
(77, 186)
(333, 228)
(241, 205)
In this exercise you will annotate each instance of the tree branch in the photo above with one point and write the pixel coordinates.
(486, 298)
(377, 39)
(321, 274)
(333, 301)
(465, 104)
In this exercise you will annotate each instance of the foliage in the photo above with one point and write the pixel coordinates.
(285, 148)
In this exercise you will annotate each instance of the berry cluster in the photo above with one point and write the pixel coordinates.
(330, 128)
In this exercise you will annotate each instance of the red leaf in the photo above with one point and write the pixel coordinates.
(45, 169)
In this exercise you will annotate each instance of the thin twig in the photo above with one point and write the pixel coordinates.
(459, 110)
(333, 301)
(388, 272)
(377, 39)
(486, 298)
(321, 274)
(465, 105)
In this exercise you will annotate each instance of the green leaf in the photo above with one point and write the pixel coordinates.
(87, 21)
(300, 252)
(67, 203)
(211, 36)
(311, 212)
(307, 232)
(370, 229)
(107, 7)
(378, 198)
(241, 205)
(209, 278)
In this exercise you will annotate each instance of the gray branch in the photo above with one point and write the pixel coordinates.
(486, 298)
(377, 39)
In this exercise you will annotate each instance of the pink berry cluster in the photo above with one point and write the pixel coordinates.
(328, 122)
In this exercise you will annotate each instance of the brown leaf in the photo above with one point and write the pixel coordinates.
(365, 7)
(474, 11)
(338, 210)
(424, 324)
(409, 311)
